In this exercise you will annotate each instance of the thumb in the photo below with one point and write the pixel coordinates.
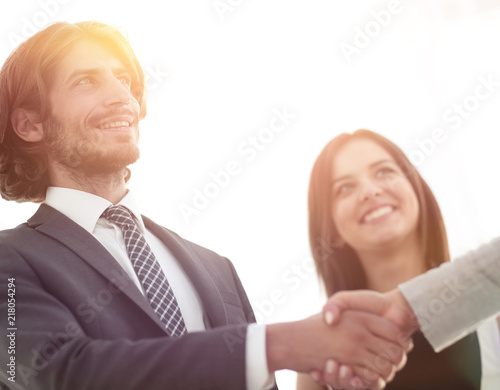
(362, 300)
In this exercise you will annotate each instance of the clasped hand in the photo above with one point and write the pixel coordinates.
(384, 352)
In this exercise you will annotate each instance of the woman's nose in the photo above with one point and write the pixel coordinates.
(369, 190)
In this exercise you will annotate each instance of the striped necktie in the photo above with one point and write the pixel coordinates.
(148, 270)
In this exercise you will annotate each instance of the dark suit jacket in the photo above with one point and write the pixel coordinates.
(83, 324)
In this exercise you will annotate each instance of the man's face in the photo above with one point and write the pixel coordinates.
(94, 123)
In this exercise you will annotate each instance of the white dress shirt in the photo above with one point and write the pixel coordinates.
(85, 209)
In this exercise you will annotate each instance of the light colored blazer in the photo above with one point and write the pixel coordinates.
(451, 301)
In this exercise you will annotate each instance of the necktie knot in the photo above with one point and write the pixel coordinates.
(119, 215)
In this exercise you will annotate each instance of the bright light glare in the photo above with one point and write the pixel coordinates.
(216, 79)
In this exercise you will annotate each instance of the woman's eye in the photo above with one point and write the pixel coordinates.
(384, 172)
(344, 188)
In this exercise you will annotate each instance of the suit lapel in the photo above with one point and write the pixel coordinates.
(52, 223)
(197, 273)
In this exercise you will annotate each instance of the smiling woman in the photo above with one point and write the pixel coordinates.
(368, 202)
(373, 204)
(366, 165)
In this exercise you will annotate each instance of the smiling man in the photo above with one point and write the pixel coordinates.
(104, 129)
(102, 297)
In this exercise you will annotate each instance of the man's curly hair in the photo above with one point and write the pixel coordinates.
(24, 83)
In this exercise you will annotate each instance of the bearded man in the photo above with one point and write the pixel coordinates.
(101, 297)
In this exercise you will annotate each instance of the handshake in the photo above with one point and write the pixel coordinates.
(359, 341)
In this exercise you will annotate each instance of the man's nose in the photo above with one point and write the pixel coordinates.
(116, 93)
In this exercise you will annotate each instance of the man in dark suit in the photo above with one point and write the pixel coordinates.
(100, 297)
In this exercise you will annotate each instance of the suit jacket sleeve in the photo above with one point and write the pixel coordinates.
(56, 348)
(452, 300)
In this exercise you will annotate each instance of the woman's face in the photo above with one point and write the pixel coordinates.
(374, 204)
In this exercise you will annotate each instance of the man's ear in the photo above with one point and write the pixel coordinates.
(26, 126)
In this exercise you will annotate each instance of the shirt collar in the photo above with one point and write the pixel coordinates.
(85, 209)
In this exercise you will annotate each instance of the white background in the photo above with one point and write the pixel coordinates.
(216, 74)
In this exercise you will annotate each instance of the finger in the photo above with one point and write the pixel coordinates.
(357, 383)
(400, 317)
(392, 305)
(369, 349)
(340, 376)
(363, 300)
(377, 360)
(405, 341)
(332, 314)
(400, 311)
(402, 364)
(381, 366)
(331, 374)
(390, 352)
(390, 378)
(332, 368)
(388, 330)
(383, 354)
(393, 344)
(316, 376)
(370, 379)
(346, 375)
(380, 385)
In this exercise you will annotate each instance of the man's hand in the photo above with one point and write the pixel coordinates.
(390, 305)
(366, 342)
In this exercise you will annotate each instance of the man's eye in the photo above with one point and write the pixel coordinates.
(125, 80)
(84, 81)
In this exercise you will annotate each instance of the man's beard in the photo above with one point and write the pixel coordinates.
(84, 152)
